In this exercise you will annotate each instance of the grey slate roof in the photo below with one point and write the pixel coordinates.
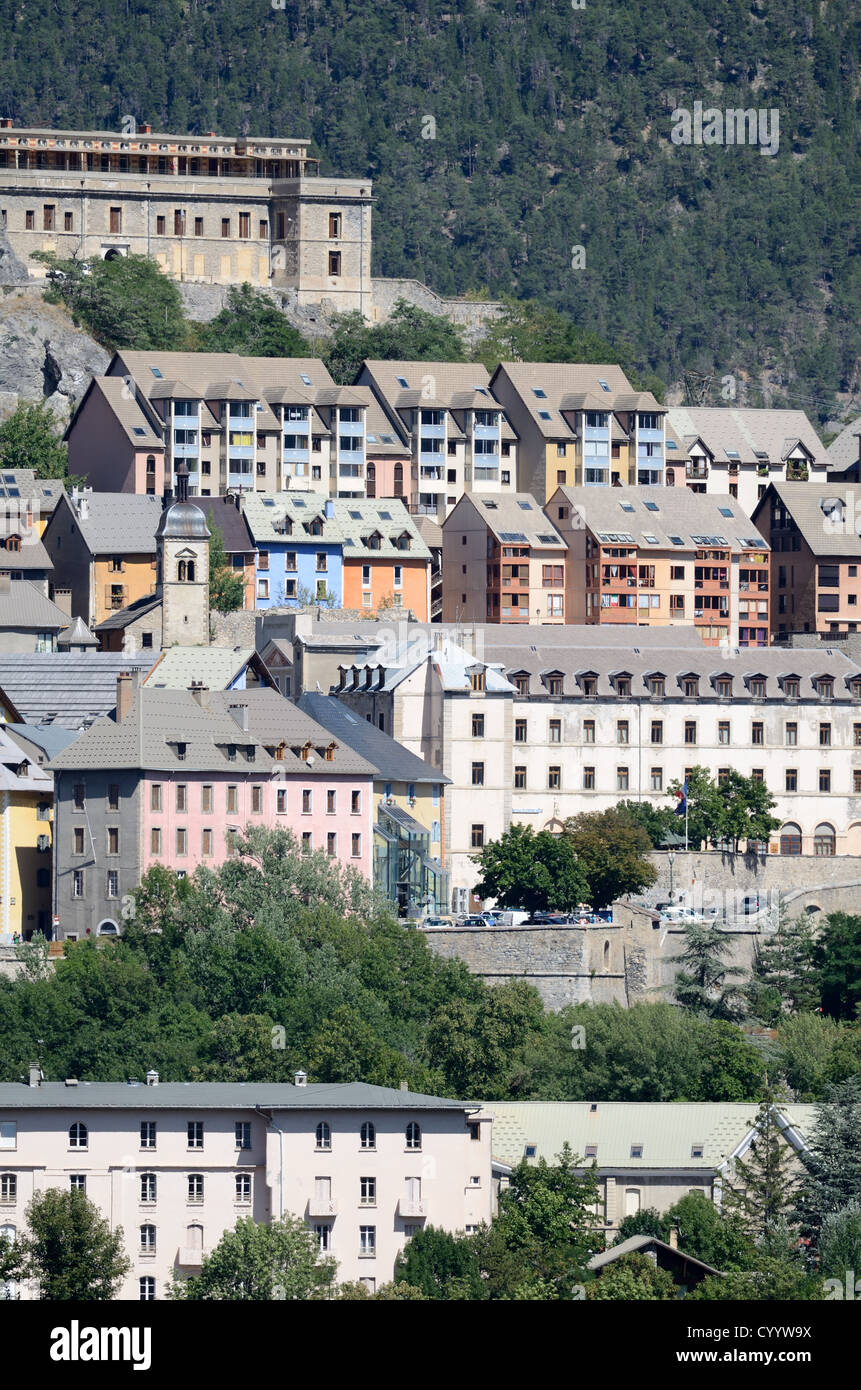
(804, 502)
(571, 386)
(216, 667)
(51, 738)
(844, 450)
(24, 608)
(746, 429)
(217, 1095)
(663, 512)
(299, 507)
(223, 513)
(391, 760)
(508, 515)
(66, 688)
(119, 523)
(158, 719)
(77, 634)
(21, 484)
(359, 517)
(629, 656)
(31, 556)
(124, 617)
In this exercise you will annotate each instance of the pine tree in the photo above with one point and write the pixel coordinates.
(763, 1186)
(833, 1160)
(783, 979)
(702, 987)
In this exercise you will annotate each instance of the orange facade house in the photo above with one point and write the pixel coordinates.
(386, 564)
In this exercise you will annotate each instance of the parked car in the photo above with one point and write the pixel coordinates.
(430, 922)
(473, 920)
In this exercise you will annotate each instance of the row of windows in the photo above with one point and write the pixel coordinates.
(79, 1134)
(656, 732)
(656, 686)
(207, 796)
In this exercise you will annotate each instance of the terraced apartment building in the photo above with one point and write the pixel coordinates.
(207, 208)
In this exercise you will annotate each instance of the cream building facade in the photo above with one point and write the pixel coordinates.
(177, 1164)
(207, 208)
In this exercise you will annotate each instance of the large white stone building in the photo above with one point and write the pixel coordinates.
(544, 723)
(177, 1164)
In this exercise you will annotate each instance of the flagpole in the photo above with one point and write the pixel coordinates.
(686, 818)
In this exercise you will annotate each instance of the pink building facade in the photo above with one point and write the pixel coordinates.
(188, 820)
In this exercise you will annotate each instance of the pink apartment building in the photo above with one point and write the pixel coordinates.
(176, 776)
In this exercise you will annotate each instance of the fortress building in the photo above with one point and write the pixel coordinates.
(207, 208)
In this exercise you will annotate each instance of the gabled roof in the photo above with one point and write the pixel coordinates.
(697, 519)
(231, 522)
(216, 667)
(837, 535)
(116, 523)
(564, 381)
(739, 434)
(513, 518)
(637, 1244)
(264, 514)
(226, 375)
(12, 756)
(69, 689)
(19, 485)
(32, 555)
(844, 451)
(24, 608)
(77, 634)
(360, 517)
(390, 759)
(668, 1132)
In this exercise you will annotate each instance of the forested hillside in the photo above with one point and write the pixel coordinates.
(550, 130)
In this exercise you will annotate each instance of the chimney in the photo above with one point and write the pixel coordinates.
(63, 599)
(369, 676)
(300, 1078)
(5, 122)
(5, 584)
(36, 1077)
(329, 508)
(404, 1086)
(145, 129)
(381, 678)
(152, 1078)
(125, 691)
(239, 714)
(342, 677)
(198, 690)
(673, 1241)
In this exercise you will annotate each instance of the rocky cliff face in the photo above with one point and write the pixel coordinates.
(43, 357)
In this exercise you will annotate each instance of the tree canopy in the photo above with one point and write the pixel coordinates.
(124, 303)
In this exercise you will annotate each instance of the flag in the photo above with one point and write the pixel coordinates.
(682, 807)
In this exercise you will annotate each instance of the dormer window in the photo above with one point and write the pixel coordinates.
(590, 684)
(181, 750)
(855, 689)
(476, 680)
(757, 687)
(657, 686)
(825, 688)
(403, 541)
(231, 752)
(330, 752)
(374, 541)
(520, 680)
(791, 687)
(690, 687)
(723, 686)
(553, 681)
(622, 686)
(305, 751)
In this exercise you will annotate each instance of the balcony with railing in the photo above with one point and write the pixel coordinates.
(696, 472)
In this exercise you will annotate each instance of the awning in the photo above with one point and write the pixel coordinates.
(404, 820)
